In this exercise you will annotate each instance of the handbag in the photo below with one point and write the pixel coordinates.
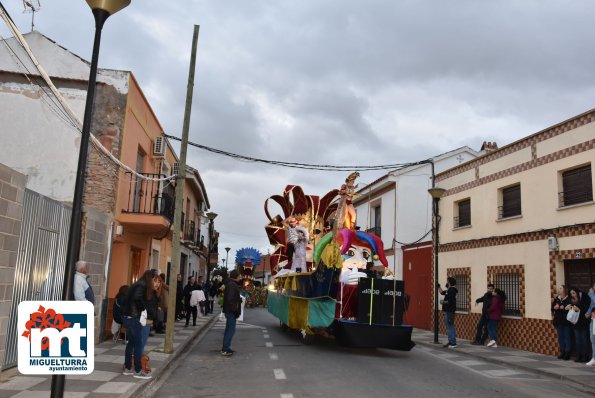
(143, 318)
(573, 316)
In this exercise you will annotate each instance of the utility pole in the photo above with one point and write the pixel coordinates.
(175, 263)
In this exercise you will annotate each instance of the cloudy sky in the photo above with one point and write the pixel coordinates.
(337, 81)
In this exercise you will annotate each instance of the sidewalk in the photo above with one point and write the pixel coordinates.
(107, 380)
(582, 376)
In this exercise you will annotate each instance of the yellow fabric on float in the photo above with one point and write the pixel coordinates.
(331, 255)
(298, 313)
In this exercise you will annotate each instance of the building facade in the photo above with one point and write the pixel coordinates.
(397, 208)
(128, 216)
(521, 217)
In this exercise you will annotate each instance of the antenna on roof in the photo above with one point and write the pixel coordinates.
(31, 6)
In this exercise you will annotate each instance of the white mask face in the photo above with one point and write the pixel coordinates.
(357, 256)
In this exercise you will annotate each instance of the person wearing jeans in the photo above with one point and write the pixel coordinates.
(231, 308)
(136, 302)
(581, 301)
(134, 334)
(449, 307)
(495, 315)
(482, 325)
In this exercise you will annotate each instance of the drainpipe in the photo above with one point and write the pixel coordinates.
(108, 264)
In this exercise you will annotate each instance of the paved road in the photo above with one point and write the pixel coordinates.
(273, 363)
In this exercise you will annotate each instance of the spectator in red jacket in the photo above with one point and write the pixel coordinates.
(495, 314)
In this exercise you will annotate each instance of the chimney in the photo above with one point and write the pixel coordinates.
(488, 146)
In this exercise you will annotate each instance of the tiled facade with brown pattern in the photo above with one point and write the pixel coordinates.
(523, 240)
(530, 141)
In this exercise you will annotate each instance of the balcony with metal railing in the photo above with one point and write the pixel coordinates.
(150, 206)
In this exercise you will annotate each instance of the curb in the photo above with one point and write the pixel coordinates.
(142, 388)
(579, 385)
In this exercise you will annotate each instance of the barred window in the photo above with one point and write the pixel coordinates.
(462, 288)
(577, 186)
(464, 213)
(511, 202)
(510, 284)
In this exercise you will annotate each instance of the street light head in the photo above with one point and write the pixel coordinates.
(436, 192)
(111, 6)
(211, 216)
(227, 249)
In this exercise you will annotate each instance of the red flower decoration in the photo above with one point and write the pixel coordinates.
(43, 319)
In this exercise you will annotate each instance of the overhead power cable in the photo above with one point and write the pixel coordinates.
(68, 113)
(307, 166)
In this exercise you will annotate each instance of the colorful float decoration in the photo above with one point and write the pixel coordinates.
(329, 277)
(246, 259)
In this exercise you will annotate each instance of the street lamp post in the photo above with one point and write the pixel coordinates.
(227, 249)
(211, 217)
(436, 194)
(101, 9)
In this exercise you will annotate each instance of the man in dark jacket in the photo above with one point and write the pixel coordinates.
(232, 305)
(449, 307)
(482, 326)
(188, 289)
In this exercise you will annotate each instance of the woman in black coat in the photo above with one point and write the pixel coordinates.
(563, 327)
(139, 294)
(581, 328)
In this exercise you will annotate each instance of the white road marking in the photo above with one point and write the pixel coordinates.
(273, 356)
(286, 395)
(268, 344)
(266, 336)
(492, 374)
(279, 374)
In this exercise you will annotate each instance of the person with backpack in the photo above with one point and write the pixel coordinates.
(117, 320)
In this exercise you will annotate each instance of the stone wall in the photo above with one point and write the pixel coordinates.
(95, 250)
(102, 173)
(12, 187)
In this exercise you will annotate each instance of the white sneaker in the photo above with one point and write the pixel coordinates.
(128, 372)
(591, 362)
(492, 343)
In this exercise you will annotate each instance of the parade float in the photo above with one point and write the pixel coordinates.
(246, 260)
(331, 279)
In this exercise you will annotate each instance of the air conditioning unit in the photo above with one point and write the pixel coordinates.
(159, 147)
(176, 169)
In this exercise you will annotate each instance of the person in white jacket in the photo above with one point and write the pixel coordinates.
(82, 288)
(196, 298)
